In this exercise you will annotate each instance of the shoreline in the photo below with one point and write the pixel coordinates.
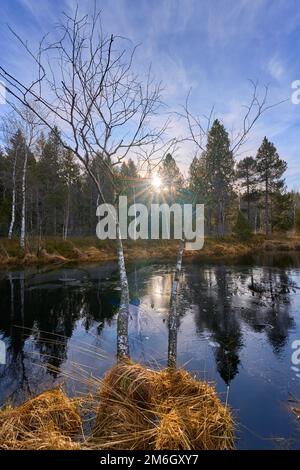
(55, 251)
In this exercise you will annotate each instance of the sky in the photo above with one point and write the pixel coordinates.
(211, 48)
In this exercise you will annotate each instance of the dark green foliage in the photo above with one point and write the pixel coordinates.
(61, 198)
(127, 179)
(246, 174)
(297, 220)
(282, 213)
(170, 173)
(219, 173)
(242, 228)
(198, 183)
(270, 169)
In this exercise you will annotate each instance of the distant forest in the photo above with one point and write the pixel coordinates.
(45, 192)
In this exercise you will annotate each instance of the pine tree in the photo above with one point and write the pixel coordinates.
(128, 175)
(219, 172)
(270, 169)
(197, 178)
(242, 228)
(70, 174)
(282, 211)
(246, 175)
(171, 177)
(51, 184)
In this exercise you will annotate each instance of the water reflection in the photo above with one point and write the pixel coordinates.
(226, 299)
(241, 315)
(39, 314)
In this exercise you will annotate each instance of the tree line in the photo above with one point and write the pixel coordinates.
(245, 196)
(60, 198)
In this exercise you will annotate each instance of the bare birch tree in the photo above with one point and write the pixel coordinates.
(7, 129)
(198, 130)
(86, 85)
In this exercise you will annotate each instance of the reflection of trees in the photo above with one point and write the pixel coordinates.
(227, 331)
(269, 305)
(259, 297)
(14, 376)
(47, 317)
(58, 310)
(216, 315)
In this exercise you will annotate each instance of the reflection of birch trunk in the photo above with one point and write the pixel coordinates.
(173, 318)
(22, 292)
(13, 204)
(11, 282)
(123, 316)
(23, 217)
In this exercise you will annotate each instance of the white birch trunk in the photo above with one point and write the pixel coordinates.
(173, 318)
(13, 205)
(123, 315)
(23, 216)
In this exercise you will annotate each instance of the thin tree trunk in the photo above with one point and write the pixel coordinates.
(221, 219)
(123, 316)
(23, 217)
(248, 205)
(173, 319)
(13, 205)
(248, 198)
(267, 209)
(54, 220)
(12, 298)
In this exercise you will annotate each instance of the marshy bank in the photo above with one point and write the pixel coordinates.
(54, 250)
(136, 408)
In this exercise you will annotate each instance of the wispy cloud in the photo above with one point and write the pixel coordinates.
(212, 47)
(276, 68)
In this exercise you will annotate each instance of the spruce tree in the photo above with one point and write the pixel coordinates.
(246, 175)
(282, 211)
(270, 169)
(170, 172)
(128, 176)
(242, 228)
(171, 176)
(197, 178)
(219, 172)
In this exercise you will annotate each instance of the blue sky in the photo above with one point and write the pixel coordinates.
(211, 46)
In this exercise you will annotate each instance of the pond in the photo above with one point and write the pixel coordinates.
(236, 328)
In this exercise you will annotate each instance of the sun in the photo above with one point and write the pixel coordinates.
(156, 182)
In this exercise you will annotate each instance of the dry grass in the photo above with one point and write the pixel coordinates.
(143, 409)
(54, 250)
(47, 421)
(136, 408)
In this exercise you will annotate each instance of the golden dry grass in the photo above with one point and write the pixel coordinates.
(136, 408)
(47, 421)
(143, 409)
(54, 250)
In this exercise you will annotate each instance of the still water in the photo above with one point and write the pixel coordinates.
(236, 327)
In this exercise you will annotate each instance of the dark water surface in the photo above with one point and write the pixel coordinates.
(237, 324)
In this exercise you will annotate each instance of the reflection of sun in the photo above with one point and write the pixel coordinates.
(156, 182)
